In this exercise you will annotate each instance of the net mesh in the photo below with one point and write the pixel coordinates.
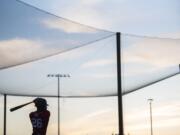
(148, 60)
(29, 34)
(90, 75)
(92, 69)
(87, 54)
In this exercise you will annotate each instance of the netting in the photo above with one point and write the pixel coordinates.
(90, 75)
(29, 34)
(148, 60)
(145, 61)
(165, 109)
(87, 54)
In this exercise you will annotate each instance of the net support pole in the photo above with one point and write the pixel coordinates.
(5, 108)
(119, 84)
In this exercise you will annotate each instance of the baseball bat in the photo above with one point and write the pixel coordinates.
(20, 106)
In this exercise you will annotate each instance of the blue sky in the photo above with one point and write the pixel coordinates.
(139, 17)
(149, 18)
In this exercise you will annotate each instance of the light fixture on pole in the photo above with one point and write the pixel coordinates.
(150, 105)
(58, 76)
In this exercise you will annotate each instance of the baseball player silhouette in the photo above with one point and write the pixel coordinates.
(40, 118)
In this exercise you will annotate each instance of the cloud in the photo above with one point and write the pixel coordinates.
(91, 2)
(92, 115)
(85, 13)
(164, 115)
(175, 35)
(95, 119)
(98, 63)
(103, 76)
(15, 51)
(154, 52)
(67, 26)
(52, 128)
(163, 109)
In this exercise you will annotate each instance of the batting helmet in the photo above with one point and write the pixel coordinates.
(40, 102)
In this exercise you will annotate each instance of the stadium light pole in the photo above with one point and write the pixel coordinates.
(150, 107)
(5, 116)
(58, 76)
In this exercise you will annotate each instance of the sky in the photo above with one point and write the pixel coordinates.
(153, 18)
(93, 67)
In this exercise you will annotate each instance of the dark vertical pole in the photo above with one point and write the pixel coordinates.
(58, 104)
(5, 107)
(119, 85)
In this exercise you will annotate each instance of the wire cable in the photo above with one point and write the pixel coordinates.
(150, 37)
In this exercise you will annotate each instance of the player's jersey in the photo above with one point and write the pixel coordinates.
(39, 122)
